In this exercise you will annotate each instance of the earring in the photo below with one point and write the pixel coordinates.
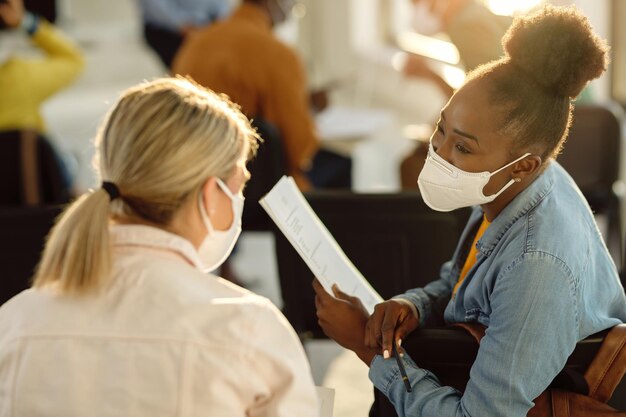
(518, 180)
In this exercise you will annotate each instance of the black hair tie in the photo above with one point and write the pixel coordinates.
(111, 190)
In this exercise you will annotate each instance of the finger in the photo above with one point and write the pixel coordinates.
(321, 309)
(405, 327)
(408, 325)
(316, 284)
(319, 290)
(338, 293)
(399, 347)
(370, 341)
(388, 328)
(375, 323)
(343, 296)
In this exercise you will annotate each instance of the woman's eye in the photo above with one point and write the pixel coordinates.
(459, 147)
(440, 128)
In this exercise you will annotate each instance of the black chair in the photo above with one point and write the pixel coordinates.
(592, 157)
(23, 235)
(395, 240)
(266, 168)
(45, 8)
(432, 349)
(31, 171)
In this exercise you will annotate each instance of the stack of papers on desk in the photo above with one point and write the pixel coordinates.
(293, 215)
(349, 123)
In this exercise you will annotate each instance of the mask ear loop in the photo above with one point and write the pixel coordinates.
(233, 198)
(510, 163)
(508, 184)
(204, 215)
(225, 188)
(204, 211)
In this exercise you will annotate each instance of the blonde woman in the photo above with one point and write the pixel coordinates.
(122, 319)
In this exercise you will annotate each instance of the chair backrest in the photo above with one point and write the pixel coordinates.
(592, 157)
(433, 348)
(45, 8)
(24, 231)
(395, 240)
(31, 170)
(592, 152)
(266, 168)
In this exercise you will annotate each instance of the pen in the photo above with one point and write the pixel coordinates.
(405, 378)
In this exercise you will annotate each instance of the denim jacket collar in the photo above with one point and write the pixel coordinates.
(517, 208)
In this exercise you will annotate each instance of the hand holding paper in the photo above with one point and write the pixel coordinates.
(288, 208)
(343, 319)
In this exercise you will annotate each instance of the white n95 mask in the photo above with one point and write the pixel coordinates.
(218, 244)
(445, 187)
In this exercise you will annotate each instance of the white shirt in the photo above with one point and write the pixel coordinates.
(163, 340)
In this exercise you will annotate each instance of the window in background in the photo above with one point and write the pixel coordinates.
(398, 17)
(618, 43)
(512, 7)
(399, 13)
(398, 28)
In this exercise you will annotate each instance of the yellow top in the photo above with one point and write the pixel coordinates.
(471, 257)
(25, 83)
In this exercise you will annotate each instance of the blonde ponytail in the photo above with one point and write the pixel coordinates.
(158, 145)
(77, 257)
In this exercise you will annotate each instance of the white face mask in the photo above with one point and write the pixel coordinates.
(445, 187)
(218, 244)
(424, 21)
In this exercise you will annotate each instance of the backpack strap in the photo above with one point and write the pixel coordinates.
(608, 366)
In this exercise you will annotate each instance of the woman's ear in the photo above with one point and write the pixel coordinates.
(209, 194)
(527, 166)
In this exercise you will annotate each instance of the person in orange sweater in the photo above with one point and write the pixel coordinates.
(242, 58)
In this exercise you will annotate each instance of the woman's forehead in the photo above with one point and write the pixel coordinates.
(469, 111)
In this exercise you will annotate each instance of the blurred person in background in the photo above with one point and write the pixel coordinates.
(242, 58)
(167, 22)
(474, 30)
(477, 34)
(123, 319)
(27, 82)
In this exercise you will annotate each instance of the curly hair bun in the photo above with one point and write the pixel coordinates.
(557, 47)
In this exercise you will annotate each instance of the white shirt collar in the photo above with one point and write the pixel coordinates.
(153, 237)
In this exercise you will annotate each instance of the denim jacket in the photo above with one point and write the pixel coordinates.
(543, 280)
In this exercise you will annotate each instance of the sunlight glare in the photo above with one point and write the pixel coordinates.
(429, 47)
(454, 76)
(512, 7)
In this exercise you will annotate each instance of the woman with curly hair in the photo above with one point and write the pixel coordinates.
(531, 264)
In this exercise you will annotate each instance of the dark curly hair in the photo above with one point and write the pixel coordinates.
(550, 57)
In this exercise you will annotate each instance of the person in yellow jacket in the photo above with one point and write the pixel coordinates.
(25, 83)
